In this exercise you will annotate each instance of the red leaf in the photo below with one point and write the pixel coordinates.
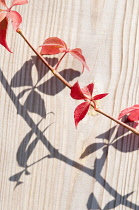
(80, 112)
(100, 96)
(52, 46)
(2, 2)
(77, 53)
(135, 125)
(126, 111)
(13, 15)
(85, 94)
(134, 115)
(76, 92)
(88, 90)
(16, 19)
(19, 2)
(3, 33)
(2, 16)
(136, 106)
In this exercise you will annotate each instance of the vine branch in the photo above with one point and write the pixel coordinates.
(43, 60)
(53, 70)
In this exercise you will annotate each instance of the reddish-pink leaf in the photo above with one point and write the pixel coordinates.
(19, 2)
(5, 15)
(57, 41)
(3, 3)
(52, 46)
(85, 94)
(80, 112)
(100, 96)
(88, 90)
(16, 18)
(78, 50)
(134, 115)
(76, 92)
(3, 33)
(2, 16)
(136, 106)
(77, 53)
(126, 111)
(135, 125)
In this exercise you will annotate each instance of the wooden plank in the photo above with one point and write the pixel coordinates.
(45, 162)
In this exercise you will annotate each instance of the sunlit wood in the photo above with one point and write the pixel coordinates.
(45, 162)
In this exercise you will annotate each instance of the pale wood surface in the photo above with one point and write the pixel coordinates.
(40, 164)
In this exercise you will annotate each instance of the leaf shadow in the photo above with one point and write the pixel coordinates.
(93, 200)
(118, 200)
(93, 204)
(114, 137)
(126, 143)
(49, 88)
(53, 152)
(34, 102)
(91, 149)
(24, 151)
(16, 177)
(123, 143)
(23, 77)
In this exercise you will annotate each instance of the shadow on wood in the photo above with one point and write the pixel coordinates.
(54, 153)
(23, 78)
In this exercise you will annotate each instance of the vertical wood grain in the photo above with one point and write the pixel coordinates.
(45, 162)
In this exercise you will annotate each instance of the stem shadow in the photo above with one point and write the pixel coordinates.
(33, 90)
(53, 152)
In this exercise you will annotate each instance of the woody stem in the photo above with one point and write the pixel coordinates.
(53, 70)
(43, 60)
(119, 122)
(60, 60)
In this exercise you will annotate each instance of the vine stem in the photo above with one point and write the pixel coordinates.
(43, 60)
(60, 60)
(119, 122)
(53, 70)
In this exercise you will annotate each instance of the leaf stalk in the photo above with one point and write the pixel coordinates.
(19, 31)
(53, 70)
